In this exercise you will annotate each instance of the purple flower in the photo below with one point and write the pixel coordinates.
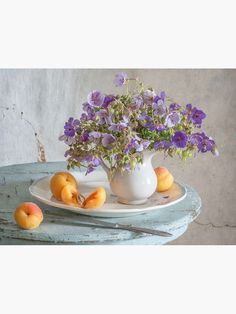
(90, 112)
(188, 110)
(179, 139)
(67, 139)
(93, 163)
(78, 158)
(157, 145)
(120, 79)
(70, 127)
(174, 107)
(137, 102)
(162, 97)
(88, 158)
(107, 140)
(91, 116)
(196, 138)
(138, 147)
(85, 136)
(83, 117)
(144, 116)
(149, 125)
(96, 162)
(203, 142)
(95, 134)
(160, 127)
(172, 119)
(163, 144)
(153, 127)
(95, 98)
(108, 99)
(145, 144)
(89, 170)
(130, 146)
(87, 107)
(120, 126)
(104, 117)
(67, 153)
(159, 108)
(189, 107)
(148, 96)
(127, 167)
(70, 132)
(117, 127)
(206, 144)
(196, 116)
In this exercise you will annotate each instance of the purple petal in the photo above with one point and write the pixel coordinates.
(95, 98)
(95, 134)
(120, 79)
(174, 107)
(107, 140)
(148, 97)
(172, 119)
(179, 139)
(89, 170)
(108, 99)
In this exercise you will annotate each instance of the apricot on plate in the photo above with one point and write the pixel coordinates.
(59, 180)
(96, 199)
(70, 195)
(28, 215)
(164, 179)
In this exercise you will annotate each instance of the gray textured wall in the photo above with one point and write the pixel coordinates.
(35, 103)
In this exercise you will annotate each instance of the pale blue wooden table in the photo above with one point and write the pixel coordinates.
(15, 181)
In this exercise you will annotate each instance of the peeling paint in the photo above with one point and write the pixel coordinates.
(3, 181)
(40, 147)
(13, 108)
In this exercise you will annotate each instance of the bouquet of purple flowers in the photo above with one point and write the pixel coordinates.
(116, 129)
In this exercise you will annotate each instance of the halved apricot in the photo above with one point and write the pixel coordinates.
(59, 180)
(70, 195)
(96, 199)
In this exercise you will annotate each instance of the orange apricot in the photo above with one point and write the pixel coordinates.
(59, 180)
(164, 179)
(28, 215)
(70, 195)
(96, 199)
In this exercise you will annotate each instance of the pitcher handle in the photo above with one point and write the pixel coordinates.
(104, 167)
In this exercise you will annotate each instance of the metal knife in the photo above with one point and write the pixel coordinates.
(111, 225)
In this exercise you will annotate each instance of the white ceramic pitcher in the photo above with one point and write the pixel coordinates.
(137, 186)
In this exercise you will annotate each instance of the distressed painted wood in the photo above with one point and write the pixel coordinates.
(15, 181)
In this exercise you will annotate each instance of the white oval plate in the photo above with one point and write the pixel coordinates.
(40, 189)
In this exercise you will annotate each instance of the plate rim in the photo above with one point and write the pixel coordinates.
(101, 211)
